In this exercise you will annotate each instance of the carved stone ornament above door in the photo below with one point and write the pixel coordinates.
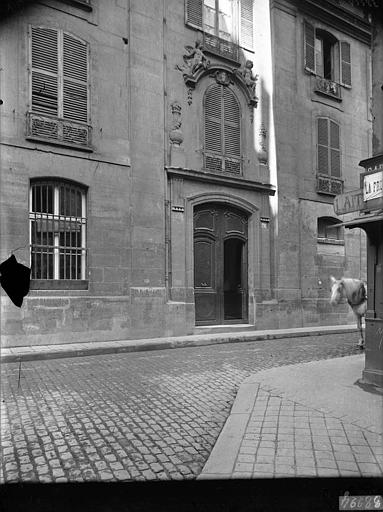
(196, 66)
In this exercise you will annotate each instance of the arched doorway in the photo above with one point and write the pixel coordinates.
(220, 264)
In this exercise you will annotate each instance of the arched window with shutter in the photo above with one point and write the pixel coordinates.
(222, 126)
(328, 147)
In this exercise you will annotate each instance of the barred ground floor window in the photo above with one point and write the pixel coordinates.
(57, 223)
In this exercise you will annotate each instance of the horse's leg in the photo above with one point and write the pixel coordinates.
(359, 324)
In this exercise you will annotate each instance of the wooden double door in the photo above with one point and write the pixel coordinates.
(220, 265)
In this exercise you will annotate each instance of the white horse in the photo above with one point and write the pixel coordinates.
(354, 290)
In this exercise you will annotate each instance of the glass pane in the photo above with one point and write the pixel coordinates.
(209, 20)
(319, 56)
(42, 198)
(225, 19)
(332, 232)
(42, 252)
(70, 201)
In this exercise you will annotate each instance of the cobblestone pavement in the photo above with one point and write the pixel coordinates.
(135, 416)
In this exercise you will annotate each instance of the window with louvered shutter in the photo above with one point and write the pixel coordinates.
(323, 145)
(345, 63)
(59, 74)
(309, 46)
(222, 119)
(75, 78)
(45, 71)
(328, 147)
(246, 24)
(193, 13)
(334, 150)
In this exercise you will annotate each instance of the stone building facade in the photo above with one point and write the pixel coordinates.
(162, 170)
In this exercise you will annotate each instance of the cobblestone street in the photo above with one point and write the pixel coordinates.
(136, 416)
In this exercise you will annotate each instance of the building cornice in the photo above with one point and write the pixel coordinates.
(334, 15)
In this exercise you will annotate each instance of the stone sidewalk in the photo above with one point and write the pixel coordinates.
(306, 420)
(41, 352)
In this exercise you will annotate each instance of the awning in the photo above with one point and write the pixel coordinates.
(359, 221)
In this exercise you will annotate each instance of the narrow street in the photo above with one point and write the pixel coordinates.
(137, 416)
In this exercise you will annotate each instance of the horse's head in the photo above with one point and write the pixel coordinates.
(337, 290)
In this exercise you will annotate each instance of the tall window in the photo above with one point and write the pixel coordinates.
(57, 230)
(218, 17)
(327, 57)
(222, 120)
(226, 19)
(328, 147)
(59, 85)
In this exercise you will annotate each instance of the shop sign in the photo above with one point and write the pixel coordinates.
(373, 186)
(348, 202)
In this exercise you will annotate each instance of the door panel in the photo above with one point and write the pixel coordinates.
(220, 265)
(205, 280)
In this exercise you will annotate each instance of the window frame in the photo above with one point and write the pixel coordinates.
(340, 66)
(327, 222)
(58, 282)
(60, 74)
(329, 147)
(223, 156)
(242, 11)
(217, 11)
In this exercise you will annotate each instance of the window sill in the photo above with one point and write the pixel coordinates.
(328, 185)
(330, 241)
(58, 284)
(53, 130)
(53, 142)
(327, 88)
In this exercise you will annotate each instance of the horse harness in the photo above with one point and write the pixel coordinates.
(360, 297)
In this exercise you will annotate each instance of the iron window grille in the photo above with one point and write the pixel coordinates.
(57, 230)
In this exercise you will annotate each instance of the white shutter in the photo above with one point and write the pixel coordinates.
(309, 46)
(246, 24)
(75, 79)
(44, 72)
(345, 63)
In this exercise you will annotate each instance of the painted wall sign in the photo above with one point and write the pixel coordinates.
(373, 186)
(348, 202)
